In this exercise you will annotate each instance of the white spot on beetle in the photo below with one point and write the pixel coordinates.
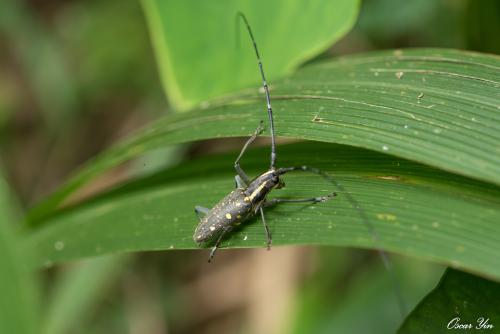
(212, 228)
(228, 216)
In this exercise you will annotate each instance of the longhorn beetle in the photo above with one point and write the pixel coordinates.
(249, 197)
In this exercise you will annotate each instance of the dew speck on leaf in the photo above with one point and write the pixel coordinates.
(59, 245)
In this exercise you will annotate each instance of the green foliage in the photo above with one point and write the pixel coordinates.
(412, 134)
(432, 106)
(416, 210)
(195, 41)
(458, 295)
(18, 302)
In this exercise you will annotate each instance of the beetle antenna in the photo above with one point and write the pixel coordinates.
(376, 239)
(366, 221)
(266, 89)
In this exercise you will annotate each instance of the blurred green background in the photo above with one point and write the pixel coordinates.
(77, 76)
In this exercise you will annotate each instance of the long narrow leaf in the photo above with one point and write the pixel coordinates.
(18, 290)
(437, 107)
(416, 210)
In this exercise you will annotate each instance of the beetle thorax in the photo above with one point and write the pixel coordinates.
(258, 189)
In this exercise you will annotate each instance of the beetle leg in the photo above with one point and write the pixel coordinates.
(268, 234)
(201, 211)
(217, 243)
(309, 169)
(250, 140)
(313, 200)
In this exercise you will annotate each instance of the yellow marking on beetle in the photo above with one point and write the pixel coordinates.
(238, 204)
(228, 215)
(246, 199)
(257, 191)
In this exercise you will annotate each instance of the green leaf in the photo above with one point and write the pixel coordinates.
(437, 107)
(458, 295)
(195, 41)
(17, 286)
(416, 210)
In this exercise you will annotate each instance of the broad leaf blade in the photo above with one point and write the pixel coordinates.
(416, 210)
(458, 295)
(442, 111)
(195, 41)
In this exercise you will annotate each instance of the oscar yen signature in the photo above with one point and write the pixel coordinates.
(481, 323)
